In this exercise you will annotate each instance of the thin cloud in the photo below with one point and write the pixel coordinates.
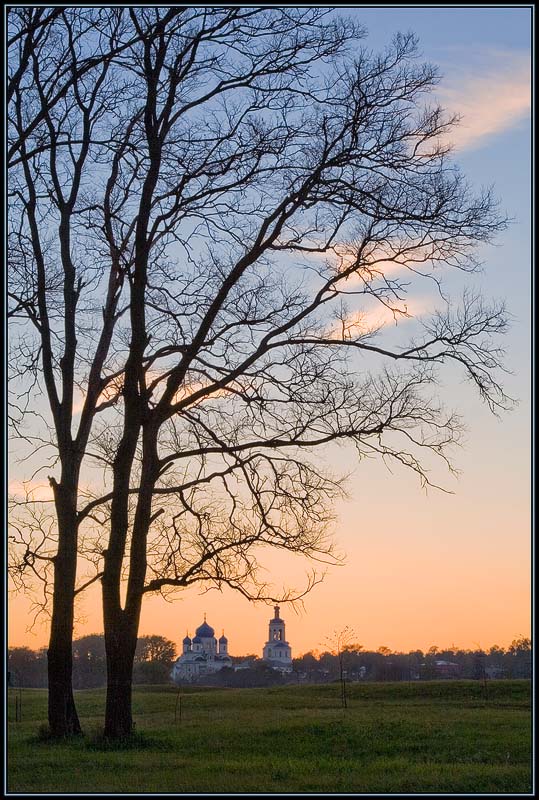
(357, 324)
(31, 491)
(492, 94)
(40, 491)
(387, 262)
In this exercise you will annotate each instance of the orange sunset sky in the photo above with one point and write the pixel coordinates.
(421, 568)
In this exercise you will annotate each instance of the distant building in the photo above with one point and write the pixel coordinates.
(495, 673)
(277, 652)
(447, 669)
(202, 655)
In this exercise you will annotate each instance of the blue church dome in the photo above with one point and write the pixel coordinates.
(197, 640)
(187, 640)
(223, 638)
(205, 630)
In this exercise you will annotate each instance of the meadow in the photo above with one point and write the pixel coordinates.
(436, 736)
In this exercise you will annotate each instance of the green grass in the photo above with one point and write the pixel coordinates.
(424, 737)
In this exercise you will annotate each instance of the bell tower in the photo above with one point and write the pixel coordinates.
(276, 627)
(277, 652)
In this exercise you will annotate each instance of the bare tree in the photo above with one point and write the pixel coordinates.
(245, 189)
(62, 97)
(340, 643)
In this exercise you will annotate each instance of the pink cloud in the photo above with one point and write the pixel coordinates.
(491, 96)
(379, 316)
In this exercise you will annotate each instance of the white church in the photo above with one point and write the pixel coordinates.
(204, 655)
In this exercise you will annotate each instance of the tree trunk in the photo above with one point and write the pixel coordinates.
(63, 718)
(120, 644)
(120, 659)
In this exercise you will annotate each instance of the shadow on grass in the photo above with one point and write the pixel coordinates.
(137, 741)
(97, 742)
(44, 736)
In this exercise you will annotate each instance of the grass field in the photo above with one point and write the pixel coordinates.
(393, 737)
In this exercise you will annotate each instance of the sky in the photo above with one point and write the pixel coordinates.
(421, 568)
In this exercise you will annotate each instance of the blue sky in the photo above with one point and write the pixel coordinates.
(484, 57)
(447, 26)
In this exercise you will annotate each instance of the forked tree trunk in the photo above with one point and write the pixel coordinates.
(121, 624)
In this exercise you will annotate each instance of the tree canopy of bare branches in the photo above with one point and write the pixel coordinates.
(204, 205)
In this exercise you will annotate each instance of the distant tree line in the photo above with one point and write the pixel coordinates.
(155, 656)
(153, 661)
(384, 664)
